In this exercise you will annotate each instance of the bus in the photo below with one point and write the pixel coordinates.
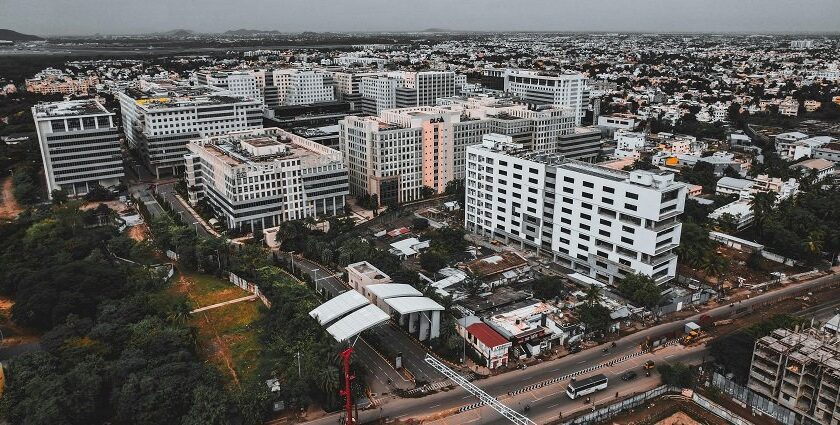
(586, 386)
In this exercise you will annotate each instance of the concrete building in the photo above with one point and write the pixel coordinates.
(538, 88)
(402, 89)
(293, 86)
(362, 274)
(600, 222)
(614, 122)
(54, 81)
(240, 83)
(401, 151)
(80, 145)
(160, 118)
(259, 178)
(492, 347)
(583, 144)
(819, 168)
(800, 371)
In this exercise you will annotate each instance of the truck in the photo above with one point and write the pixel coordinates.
(723, 322)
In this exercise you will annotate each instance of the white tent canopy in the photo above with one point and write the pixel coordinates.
(391, 290)
(408, 305)
(357, 322)
(339, 306)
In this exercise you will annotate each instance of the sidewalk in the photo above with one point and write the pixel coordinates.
(210, 307)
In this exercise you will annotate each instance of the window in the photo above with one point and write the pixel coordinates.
(568, 179)
(585, 205)
(588, 184)
(517, 166)
(567, 200)
(630, 207)
(603, 232)
(628, 229)
(606, 200)
(585, 216)
(632, 195)
(628, 241)
(609, 189)
(587, 195)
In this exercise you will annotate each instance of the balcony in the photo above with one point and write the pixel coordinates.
(665, 248)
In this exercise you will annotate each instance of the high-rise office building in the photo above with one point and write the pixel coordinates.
(600, 222)
(402, 89)
(80, 145)
(396, 154)
(568, 90)
(159, 119)
(240, 83)
(259, 178)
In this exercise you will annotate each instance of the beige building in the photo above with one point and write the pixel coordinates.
(53, 81)
(362, 274)
(800, 371)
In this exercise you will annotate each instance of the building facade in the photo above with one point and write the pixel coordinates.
(240, 83)
(80, 146)
(259, 178)
(160, 118)
(597, 221)
(800, 371)
(568, 90)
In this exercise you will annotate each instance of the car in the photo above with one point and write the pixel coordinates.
(629, 375)
(649, 364)
(574, 349)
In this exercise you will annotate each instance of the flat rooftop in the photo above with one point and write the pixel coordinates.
(162, 95)
(229, 148)
(69, 108)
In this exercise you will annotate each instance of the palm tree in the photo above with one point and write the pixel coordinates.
(814, 242)
(180, 312)
(762, 205)
(716, 266)
(593, 295)
(472, 286)
(328, 379)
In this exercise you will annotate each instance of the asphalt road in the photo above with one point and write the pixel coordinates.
(167, 191)
(501, 385)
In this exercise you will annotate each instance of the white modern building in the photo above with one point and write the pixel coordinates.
(397, 153)
(80, 145)
(260, 178)
(568, 90)
(240, 83)
(403, 89)
(161, 117)
(600, 222)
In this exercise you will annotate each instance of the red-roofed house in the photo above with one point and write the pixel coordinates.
(487, 342)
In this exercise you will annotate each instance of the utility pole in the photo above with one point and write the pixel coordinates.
(298, 359)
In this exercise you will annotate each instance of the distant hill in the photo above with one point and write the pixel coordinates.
(16, 36)
(435, 30)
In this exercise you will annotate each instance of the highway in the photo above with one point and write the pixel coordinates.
(500, 385)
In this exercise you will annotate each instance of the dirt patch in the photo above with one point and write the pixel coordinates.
(13, 333)
(679, 418)
(139, 232)
(9, 207)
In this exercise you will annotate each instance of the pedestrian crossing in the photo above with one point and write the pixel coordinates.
(570, 375)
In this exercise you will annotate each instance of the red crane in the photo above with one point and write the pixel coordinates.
(345, 392)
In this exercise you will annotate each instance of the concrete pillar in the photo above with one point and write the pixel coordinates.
(435, 325)
(402, 319)
(412, 322)
(424, 326)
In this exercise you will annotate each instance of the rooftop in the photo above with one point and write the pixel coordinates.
(486, 335)
(496, 263)
(69, 108)
(259, 146)
(175, 94)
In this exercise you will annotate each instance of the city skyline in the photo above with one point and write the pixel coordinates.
(201, 16)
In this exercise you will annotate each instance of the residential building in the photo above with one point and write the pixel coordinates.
(292, 86)
(54, 81)
(80, 145)
(601, 222)
(259, 178)
(733, 186)
(819, 168)
(801, 44)
(492, 347)
(739, 212)
(362, 274)
(618, 122)
(161, 117)
(829, 151)
(800, 370)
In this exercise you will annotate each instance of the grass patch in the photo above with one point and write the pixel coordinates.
(204, 290)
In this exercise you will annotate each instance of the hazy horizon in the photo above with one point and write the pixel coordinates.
(123, 17)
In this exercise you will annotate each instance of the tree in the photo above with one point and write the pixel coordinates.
(59, 197)
(595, 317)
(432, 261)
(427, 192)
(593, 295)
(547, 287)
(676, 375)
(472, 285)
(762, 204)
(640, 289)
(716, 266)
(419, 224)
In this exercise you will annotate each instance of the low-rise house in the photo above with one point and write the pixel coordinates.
(499, 269)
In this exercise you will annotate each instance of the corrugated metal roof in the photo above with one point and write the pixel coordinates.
(338, 306)
(357, 322)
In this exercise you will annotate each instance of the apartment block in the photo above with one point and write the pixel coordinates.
(80, 145)
(594, 220)
(161, 117)
(800, 371)
(259, 178)
(54, 81)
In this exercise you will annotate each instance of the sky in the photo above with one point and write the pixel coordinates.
(83, 17)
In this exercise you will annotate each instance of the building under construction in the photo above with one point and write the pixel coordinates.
(800, 371)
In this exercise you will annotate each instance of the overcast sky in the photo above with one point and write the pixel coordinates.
(77, 17)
